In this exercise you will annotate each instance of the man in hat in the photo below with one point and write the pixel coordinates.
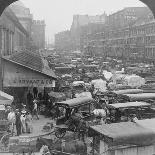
(23, 118)
(35, 109)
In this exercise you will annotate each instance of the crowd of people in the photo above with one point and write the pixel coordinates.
(20, 120)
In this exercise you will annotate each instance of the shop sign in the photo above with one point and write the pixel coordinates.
(33, 82)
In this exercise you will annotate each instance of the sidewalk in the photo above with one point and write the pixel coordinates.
(37, 127)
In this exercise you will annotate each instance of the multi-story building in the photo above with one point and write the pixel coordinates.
(133, 40)
(63, 40)
(35, 28)
(126, 17)
(81, 26)
(13, 36)
(23, 14)
(38, 33)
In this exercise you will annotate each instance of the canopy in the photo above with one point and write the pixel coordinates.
(99, 84)
(56, 95)
(147, 123)
(5, 99)
(84, 94)
(76, 102)
(128, 91)
(77, 83)
(141, 96)
(126, 133)
(129, 105)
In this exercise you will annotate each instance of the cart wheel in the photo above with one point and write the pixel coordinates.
(59, 133)
(97, 99)
(5, 140)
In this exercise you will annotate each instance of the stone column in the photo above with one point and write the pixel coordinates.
(1, 68)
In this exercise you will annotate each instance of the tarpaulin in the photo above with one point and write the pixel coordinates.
(5, 98)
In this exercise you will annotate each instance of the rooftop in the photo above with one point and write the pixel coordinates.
(32, 60)
(126, 133)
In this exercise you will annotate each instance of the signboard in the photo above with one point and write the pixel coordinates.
(24, 82)
(22, 143)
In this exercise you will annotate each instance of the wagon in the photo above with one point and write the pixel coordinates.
(142, 97)
(121, 112)
(4, 127)
(112, 97)
(64, 114)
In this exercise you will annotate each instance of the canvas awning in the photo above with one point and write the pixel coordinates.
(5, 99)
(56, 95)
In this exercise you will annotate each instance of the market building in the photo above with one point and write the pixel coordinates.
(23, 71)
(126, 138)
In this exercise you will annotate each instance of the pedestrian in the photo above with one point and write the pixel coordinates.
(12, 120)
(35, 109)
(28, 123)
(18, 122)
(29, 100)
(23, 118)
(35, 92)
(7, 110)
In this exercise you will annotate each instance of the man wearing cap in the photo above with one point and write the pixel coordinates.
(35, 109)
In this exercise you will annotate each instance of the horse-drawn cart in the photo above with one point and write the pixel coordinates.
(73, 115)
(122, 112)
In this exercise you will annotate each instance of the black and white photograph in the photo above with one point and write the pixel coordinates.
(77, 77)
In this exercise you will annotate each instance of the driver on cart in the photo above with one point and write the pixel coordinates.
(75, 119)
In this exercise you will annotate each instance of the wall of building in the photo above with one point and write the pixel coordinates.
(13, 36)
(38, 33)
(137, 40)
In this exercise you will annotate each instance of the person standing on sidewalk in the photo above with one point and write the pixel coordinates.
(12, 120)
(35, 109)
(18, 122)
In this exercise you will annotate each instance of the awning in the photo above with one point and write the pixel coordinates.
(5, 99)
(57, 95)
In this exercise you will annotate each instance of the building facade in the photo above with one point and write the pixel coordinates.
(63, 41)
(13, 36)
(81, 26)
(38, 33)
(133, 40)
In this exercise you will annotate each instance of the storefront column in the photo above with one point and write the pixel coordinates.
(1, 81)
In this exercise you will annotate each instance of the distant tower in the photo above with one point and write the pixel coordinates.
(38, 33)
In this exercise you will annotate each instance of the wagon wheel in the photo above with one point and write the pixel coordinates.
(5, 140)
(97, 99)
(60, 132)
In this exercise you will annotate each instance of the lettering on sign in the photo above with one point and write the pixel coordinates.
(33, 82)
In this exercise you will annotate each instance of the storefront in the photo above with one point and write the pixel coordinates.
(19, 79)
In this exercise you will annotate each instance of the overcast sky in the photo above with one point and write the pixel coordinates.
(58, 14)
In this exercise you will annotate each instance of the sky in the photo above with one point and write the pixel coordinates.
(58, 14)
